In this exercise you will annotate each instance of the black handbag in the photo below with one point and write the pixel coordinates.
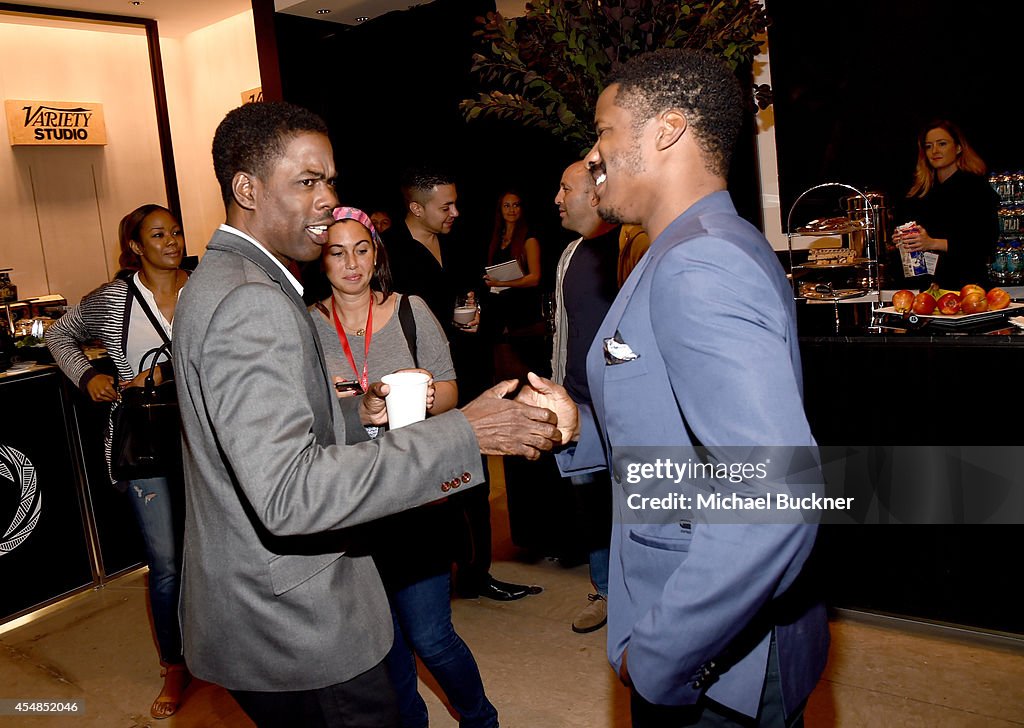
(147, 427)
(146, 439)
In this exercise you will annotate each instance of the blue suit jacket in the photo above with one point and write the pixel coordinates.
(710, 313)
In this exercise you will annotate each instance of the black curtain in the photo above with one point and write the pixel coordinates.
(389, 90)
(854, 82)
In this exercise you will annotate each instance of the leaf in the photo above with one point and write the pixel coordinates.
(553, 61)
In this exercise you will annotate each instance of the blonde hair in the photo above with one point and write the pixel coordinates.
(967, 160)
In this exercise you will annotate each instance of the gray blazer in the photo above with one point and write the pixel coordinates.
(274, 597)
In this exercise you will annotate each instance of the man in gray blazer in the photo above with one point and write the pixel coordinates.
(697, 362)
(277, 604)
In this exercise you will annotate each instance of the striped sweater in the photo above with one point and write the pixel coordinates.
(105, 315)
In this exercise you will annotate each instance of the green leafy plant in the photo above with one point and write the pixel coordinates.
(546, 69)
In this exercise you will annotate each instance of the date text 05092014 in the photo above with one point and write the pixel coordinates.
(41, 707)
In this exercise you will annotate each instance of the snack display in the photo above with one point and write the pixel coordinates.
(832, 255)
(829, 225)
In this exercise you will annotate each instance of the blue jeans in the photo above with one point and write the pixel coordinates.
(422, 615)
(158, 506)
(599, 570)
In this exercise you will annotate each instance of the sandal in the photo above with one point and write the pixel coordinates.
(176, 679)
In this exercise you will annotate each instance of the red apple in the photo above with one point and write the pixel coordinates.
(997, 299)
(974, 302)
(923, 304)
(949, 304)
(902, 300)
(970, 288)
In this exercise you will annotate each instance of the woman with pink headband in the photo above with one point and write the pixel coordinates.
(363, 336)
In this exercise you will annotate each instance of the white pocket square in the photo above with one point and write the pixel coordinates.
(617, 351)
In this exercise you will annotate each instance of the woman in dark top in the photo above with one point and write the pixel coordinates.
(955, 208)
(511, 319)
(516, 304)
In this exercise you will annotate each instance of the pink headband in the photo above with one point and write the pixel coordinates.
(354, 213)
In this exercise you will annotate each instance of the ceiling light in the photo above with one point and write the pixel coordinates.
(136, 3)
(323, 11)
(362, 18)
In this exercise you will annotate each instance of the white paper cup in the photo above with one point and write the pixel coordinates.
(464, 314)
(407, 398)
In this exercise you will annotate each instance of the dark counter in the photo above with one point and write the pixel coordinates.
(66, 527)
(917, 388)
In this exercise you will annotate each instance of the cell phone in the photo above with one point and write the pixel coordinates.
(349, 386)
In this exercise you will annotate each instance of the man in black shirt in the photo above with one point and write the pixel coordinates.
(421, 264)
(424, 263)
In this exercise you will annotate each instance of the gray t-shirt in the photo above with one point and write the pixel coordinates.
(389, 350)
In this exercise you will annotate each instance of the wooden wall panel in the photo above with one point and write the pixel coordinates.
(70, 228)
(60, 206)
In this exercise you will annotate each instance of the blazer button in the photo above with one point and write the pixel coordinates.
(445, 487)
(456, 483)
(466, 477)
(696, 685)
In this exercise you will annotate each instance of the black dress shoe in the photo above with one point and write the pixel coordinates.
(503, 591)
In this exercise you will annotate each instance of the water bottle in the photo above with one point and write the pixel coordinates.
(997, 270)
(1004, 188)
(1014, 263)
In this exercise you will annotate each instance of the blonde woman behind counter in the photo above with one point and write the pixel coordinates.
(955, 208)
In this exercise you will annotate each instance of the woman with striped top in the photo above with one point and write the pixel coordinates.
(152, 245)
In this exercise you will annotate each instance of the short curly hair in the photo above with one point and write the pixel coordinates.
(254, 135)
(699, 84)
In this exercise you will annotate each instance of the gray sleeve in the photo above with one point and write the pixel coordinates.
(431, 345)
(252, 364)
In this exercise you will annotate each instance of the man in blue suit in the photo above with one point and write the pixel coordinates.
(698, 357)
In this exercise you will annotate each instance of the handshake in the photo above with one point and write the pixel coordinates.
(540, 416)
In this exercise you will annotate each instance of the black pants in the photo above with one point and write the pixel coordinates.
(707, 713)
(473, 554)
(366, 701)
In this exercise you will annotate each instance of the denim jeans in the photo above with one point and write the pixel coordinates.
(158, 506)
(423, 623)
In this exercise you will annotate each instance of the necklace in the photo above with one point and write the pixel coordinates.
(363, 377)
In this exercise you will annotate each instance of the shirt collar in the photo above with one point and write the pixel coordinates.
(288, 274)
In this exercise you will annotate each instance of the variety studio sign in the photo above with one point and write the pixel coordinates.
(54, 122)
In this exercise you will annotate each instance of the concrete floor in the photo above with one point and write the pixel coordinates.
(98, 648)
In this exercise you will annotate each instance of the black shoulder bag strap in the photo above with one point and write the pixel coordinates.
(408, 322)
(145, 307)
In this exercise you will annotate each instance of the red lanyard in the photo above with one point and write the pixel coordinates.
(364, 380)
